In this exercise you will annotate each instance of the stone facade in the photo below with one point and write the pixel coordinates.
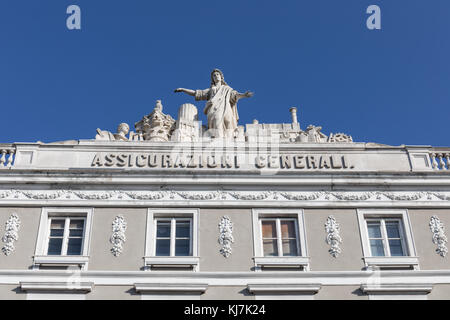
(226, 190)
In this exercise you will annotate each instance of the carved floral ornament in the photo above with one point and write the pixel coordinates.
(12, 227)
(439, 237)
(226, 236)
(333, 236)
(118, 238)
(170, 195)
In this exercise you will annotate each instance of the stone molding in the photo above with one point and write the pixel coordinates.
(170, 195)
(83, 287)
(333, 236)
(226, 236)
(118, 237)
(439, 237)
(12, 227)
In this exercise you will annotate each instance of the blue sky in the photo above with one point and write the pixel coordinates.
(389, 86)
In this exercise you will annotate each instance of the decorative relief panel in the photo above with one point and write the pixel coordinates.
(170, 195)
(439, 237)
(118, 238)
(226, 236)
(333, 236)
(12, 227)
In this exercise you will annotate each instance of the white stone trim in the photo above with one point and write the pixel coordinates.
(401, 291)
(40, 256)
(57, 286)
(258, 288)
(374, 262)
(150, 259)
(286, 291)
(221, 198)
(198, 288)
(324, 278)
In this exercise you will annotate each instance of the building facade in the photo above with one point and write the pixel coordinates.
(177, 210)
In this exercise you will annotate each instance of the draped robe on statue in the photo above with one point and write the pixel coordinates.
(221, 108)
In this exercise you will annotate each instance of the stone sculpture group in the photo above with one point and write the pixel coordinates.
(222, 121)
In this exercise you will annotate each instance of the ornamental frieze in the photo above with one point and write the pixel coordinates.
(222, 195)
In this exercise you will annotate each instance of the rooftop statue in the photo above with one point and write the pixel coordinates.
(221, 105)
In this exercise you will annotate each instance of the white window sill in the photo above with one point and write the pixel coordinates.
(397, 291)
(81, 261)
(391, 262)
(281, 262)
(192, 288)
(172, 262)
(79, 287)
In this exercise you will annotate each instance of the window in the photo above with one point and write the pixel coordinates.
(65, 236)
(279, 239)
(387, 239)
(172, 239)
(63, 239)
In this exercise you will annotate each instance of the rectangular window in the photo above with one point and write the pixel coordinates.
(279, 237)
(386, 237)
(172, 240)
(279, 240)
(173, 237)
(65, 236)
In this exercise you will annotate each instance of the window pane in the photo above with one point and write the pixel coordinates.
(287, 229)
(57, 224)
(183, 230)
(74, 247)
(76, 233)
(393, 230)
(54, 246)
(290, 248)
(76, 224)
(163, 247)
(374, 229)
(182, 247)
(270, 248)
(163, 229)
(396, 248)
(56, 232)
(376, 248)
(269, 229)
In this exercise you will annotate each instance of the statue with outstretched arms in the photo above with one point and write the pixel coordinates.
(221, 105)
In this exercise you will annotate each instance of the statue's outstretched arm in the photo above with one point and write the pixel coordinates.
(247, 94)
(188, 91)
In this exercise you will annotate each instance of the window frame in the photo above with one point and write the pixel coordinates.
(173, 238)
(261, 261)
(279, 237)
(410, 259)
(41, 256)
(151, 260)
(66, 234)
